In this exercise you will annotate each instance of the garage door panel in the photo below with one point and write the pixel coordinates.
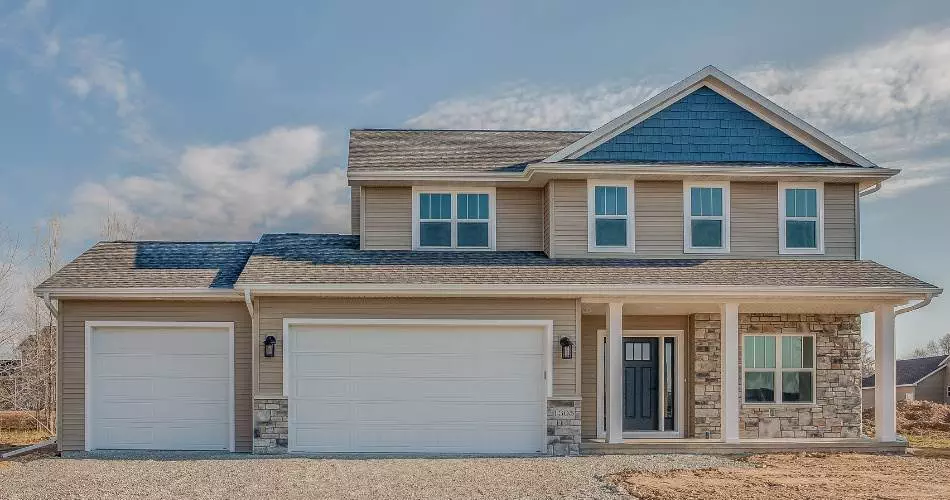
(404, 388)
(358, 365)
(161, 388)
(197, 342)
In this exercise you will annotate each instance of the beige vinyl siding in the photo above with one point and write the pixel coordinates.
(658, 218)
(518, 219)
(569, 214)
(659, 221)
(73, 316)
(590, 324)
(754, 219)
(388, 218)
(840, 221)
(273, 311)
(354, 210)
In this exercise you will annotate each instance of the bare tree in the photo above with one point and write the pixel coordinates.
(118, 227)
(867, 359)
(936, 347)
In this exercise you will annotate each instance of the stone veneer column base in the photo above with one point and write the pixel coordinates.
(270, 426)
(564, 426)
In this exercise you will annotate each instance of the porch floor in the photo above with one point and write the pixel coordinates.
(714, 447)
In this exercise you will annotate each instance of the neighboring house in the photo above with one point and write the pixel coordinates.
(924, 379)
(689, 271)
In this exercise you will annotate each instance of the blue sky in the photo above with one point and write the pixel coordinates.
(203, 120)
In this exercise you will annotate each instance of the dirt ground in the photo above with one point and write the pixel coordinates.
(805, 476)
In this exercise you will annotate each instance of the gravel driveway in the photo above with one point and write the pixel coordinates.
(205, 476)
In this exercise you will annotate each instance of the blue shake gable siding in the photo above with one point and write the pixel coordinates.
(704, 126)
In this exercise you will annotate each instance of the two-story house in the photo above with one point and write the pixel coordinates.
(687, 274)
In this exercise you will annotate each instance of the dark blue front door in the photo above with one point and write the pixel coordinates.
(640, 384)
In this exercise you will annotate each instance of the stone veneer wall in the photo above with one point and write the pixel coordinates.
(836, 412)
(837, 408)
(707, 377)
(564, 427)
(270, 426)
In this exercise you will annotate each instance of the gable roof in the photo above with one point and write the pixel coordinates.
(712, 77)
(703, 126)
(452, 150)
(911, 371)
(154, 264)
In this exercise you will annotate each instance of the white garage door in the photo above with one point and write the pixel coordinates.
(417, 388)
(160, 387)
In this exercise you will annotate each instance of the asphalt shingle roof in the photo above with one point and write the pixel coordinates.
(910, 371)
(453, 150)
(321, 258)
(154, 264)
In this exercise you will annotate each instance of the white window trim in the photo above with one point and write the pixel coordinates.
(779, 369)
(819, 188)
(688, 217)
(592, 218)
(454, 191)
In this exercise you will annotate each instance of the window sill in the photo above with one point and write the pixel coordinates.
(709, 250)
(780, 405)
(593, 249)
(800, 251)
(453, 249)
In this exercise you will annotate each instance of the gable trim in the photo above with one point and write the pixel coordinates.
(709, 77)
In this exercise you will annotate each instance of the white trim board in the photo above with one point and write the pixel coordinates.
(712, 77)
(679, 405)
(90, 326)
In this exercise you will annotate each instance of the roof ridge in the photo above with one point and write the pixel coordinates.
(466, 130)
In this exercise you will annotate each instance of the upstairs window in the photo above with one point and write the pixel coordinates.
(801, 224)
(453, 219)
(610, 217)
(778, 368)
(706, 217)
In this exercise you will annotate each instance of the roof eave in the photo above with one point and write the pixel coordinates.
(139, 293)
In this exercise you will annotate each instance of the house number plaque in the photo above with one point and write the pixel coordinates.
(564, 413)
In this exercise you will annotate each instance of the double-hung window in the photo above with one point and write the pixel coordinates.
(610, 217)
(801, 218)
(453, 219)
(706, 217)
(778, 368)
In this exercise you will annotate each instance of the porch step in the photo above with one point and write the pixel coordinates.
(710, 447)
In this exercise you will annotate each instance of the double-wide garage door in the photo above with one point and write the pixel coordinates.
(159, 387)
(421, 388)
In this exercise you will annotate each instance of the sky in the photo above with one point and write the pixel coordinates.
(205, 120)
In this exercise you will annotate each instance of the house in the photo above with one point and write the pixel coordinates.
(689, 272)
(924, 379)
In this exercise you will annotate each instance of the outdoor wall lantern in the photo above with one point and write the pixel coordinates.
(567, 348)
(269, 343)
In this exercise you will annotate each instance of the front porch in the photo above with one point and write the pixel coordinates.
(671, 378)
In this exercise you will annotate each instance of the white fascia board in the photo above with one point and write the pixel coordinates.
(690, 83)
(637, 170)
(145, 293)
(583, 290)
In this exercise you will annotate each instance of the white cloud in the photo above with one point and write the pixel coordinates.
(90, 67)
(889, 101)
(225, 191)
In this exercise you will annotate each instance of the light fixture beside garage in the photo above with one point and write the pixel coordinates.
(269, 344)
(567, 348)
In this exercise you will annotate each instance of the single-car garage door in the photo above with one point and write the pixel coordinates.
(159, 386)
(406, 387)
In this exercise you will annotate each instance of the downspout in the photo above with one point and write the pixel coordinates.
(248, 302)
(871, 190)
(914, 307)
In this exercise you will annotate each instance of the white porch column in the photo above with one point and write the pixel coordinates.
(729, 327)
(615, 372)
(885, 375)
